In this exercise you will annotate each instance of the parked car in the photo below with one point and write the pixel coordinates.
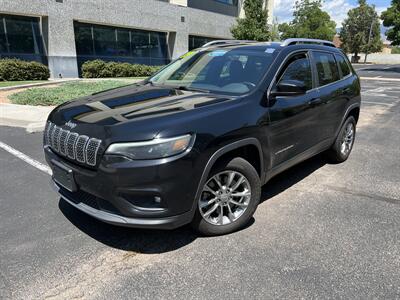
(195, 142)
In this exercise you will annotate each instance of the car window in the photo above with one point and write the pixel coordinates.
(298, 68)
(343, 65)
(327, 70)
(228, 71)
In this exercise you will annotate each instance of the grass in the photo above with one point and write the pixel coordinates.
(64, 92)
(14, 83)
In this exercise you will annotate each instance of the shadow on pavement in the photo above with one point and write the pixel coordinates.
(128, 239)
(385, 70)
(291, 176)
(159, 241)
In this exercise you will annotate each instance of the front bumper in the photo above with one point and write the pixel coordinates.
(115, 219)
(120, 192)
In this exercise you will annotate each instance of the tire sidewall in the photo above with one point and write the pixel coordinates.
(338, 142)
(245, 168)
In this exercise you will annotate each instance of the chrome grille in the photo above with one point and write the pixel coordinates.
(72, 145)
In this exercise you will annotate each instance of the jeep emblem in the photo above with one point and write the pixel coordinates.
(70, 124)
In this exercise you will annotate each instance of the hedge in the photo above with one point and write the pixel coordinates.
(18, 70)
(102, 69)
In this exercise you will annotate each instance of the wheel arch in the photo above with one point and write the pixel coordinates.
(230, 150)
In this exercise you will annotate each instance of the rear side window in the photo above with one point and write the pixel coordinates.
(327, 70)
(298, 68)
(343, 65)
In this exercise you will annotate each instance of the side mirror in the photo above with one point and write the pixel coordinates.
(289, 88)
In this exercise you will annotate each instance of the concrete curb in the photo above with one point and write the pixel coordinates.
(380, 78)
(32, 118)
(24, 86)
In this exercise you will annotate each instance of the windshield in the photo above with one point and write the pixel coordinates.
(230, 71)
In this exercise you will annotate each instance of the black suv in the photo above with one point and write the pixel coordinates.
(195, 142)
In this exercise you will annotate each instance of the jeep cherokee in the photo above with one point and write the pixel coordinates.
(195, 142)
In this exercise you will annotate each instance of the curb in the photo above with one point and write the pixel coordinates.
(380, 78)
(32, 118)
(24, 86)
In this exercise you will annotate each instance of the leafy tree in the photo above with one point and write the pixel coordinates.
(361, 30)
(391, 18)
(254, 25)
(275, 30)
(310, 21)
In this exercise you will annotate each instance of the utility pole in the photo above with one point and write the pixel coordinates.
(369, 41)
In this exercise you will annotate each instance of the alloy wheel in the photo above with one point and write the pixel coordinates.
(347, 140)
(225, 197)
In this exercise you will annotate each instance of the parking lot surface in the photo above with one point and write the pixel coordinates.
(322, 231)
(378, 71)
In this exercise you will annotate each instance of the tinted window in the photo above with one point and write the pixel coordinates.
(343, 65)
(326, 68)
(120, 44)
(198, 41)
(20, 38)
(299, 69)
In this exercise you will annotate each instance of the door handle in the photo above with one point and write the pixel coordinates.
(314, 101)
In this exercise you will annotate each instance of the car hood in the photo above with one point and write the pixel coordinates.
(135, 106)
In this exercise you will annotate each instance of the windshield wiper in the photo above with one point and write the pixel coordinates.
(191, 89)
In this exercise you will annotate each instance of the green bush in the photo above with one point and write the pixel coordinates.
(19, 70)
(396, 50)
(102, 69)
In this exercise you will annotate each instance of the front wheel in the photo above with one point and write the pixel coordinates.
(228, 199)
(341, 149)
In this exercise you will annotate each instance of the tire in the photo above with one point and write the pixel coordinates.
(341, 149)
(236, 206)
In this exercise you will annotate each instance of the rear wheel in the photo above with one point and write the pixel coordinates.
(228, 199)
(341, 149)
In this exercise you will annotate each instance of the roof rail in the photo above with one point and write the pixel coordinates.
(225, 42)
(295, 41)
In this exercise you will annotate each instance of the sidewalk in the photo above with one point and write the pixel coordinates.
(33, 118)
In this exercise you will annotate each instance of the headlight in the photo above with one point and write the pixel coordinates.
(157, 148)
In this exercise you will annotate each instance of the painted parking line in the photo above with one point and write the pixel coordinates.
(38, 165)
(377, 103)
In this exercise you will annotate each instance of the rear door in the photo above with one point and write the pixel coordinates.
(294, 119)
(331, 89)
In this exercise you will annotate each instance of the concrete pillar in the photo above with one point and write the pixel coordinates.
(61, 51)
(178, 43)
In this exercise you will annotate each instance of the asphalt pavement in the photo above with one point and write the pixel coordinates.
(378, 71)
(322, 231)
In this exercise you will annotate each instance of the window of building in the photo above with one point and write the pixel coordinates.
(343, 65)
(120, 44)
(327, 69)
(225, 7)
(230, 2)
(198, 41)
(20, 38)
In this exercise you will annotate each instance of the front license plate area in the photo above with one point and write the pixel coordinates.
(64, 176)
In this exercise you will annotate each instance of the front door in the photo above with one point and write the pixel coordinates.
(294, 120)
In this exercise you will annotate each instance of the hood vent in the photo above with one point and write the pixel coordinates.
(77, 147)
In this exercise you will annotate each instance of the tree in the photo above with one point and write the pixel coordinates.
(275, 30)
(310, 21)
(361, 30)
(254, 25)
(391, 18)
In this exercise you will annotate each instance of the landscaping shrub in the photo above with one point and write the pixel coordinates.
(102, 69)
(19, 70)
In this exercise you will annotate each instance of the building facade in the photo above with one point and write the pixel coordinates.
(65, 33)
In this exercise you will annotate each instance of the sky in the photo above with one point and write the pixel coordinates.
(337, 9)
